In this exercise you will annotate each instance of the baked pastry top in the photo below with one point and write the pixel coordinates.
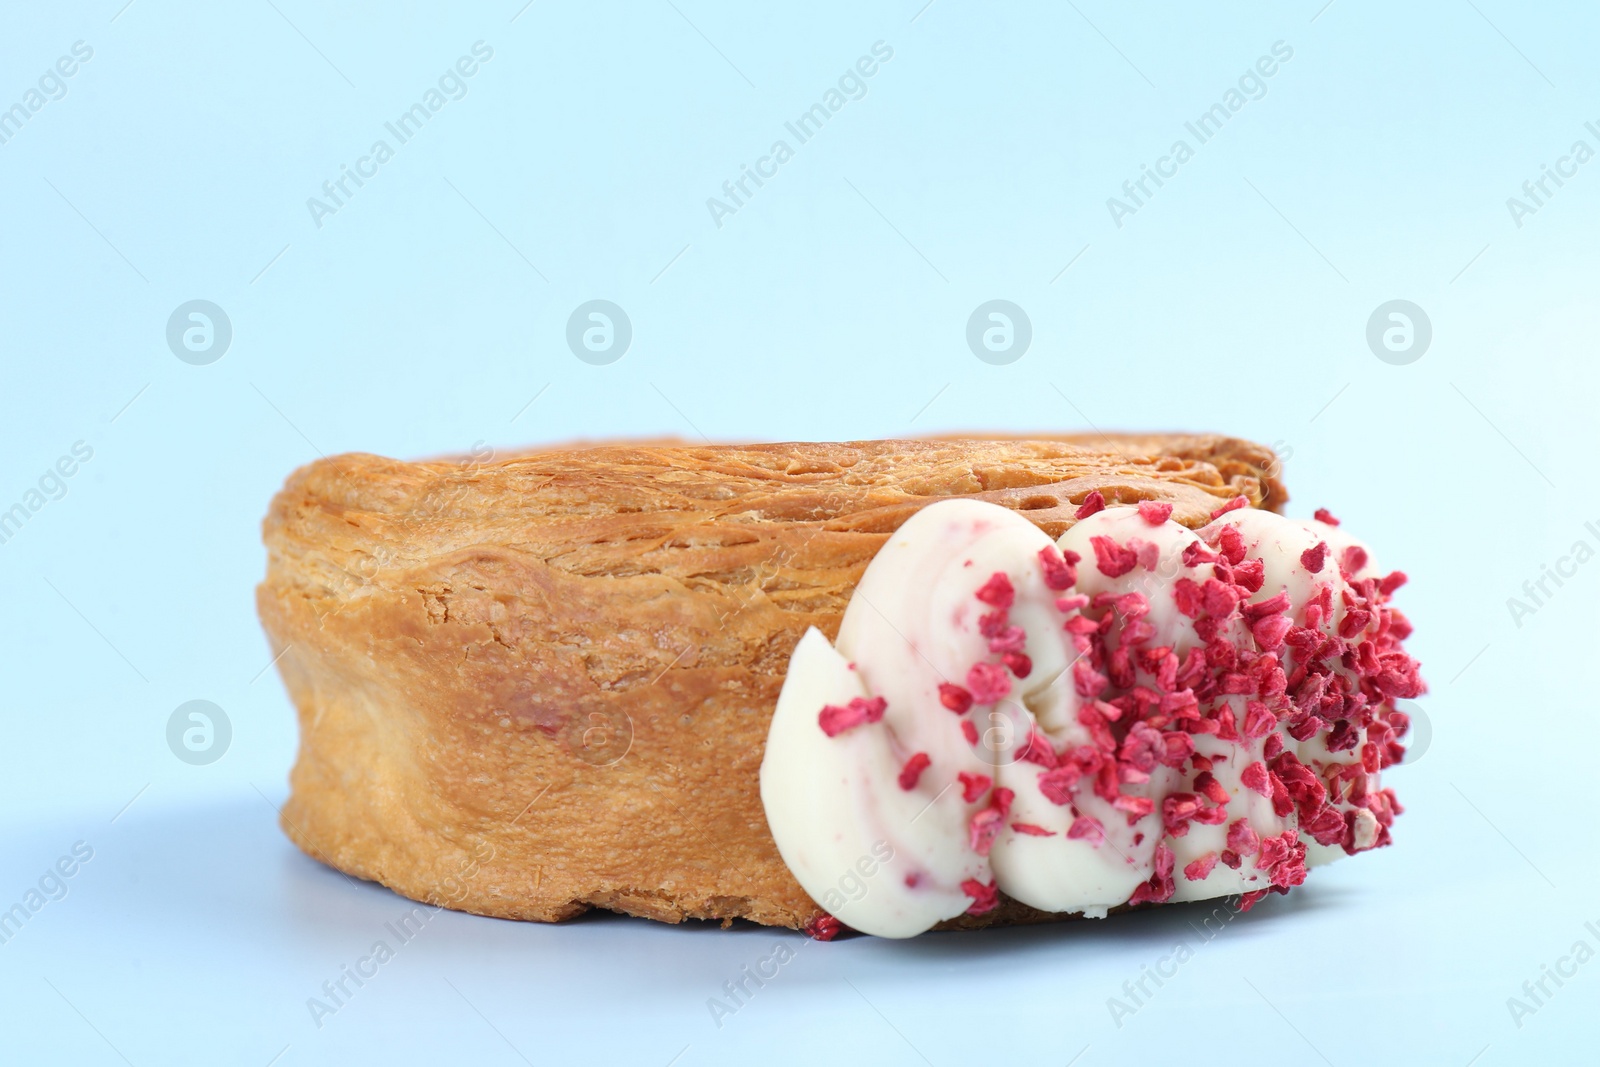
(536, 685)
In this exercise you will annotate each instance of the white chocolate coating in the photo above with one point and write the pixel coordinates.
(914, 623)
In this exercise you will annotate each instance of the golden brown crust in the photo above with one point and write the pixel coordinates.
(538, 685)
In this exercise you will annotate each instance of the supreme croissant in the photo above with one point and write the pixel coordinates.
(884, 685)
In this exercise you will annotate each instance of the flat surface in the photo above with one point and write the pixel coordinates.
(428, 315)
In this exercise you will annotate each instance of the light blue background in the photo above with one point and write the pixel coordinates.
(425, 316)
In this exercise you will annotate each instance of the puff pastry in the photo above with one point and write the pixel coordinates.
(539, 685)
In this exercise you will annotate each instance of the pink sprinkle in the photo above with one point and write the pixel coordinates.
(1112, 559)
(1092, 503)
(954, 697)
(1313, 559)
(987, 682)
(1254, 778)
(984, 897)
(1233, 505)
(835, 720)
(1087, 828)
(973, 786)
(997, 591)
(969, 731)
(1155, 512)
(1198, 869)
(1324, 515)
(913, 770)
(1060, 571)
(1032, 829)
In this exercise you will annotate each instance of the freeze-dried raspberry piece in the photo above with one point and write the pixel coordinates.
(1161, 885)
(1037, 749)
(954, 697)
(1250, 574)
(1206, 784)
(973, 786)
(1254, 777)
(1112, 559)
(1136, 807)
(1233, 505)
(1258, 720)
(1230, 545)
(1242, 838)
(1092, 503)
(1326, 827)
(1060, 569)
(1155, 512)
(997, 592)
(1087, 828)
(1270, 631)
(1057, 785)
(1198, 869)
(984, 897)
(1392, 581)
(1148, 553)
(1313, 559)
(1217, 598)
(983, 829)
(823, 928)
(835, 720)
(1250, 899)
(1275, 605)
(913, 770)
(1324, 515)
(987, 682)
(1018, 663)
(1186, 596)
(1032, 829)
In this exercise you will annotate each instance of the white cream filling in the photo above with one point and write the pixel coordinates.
(912, 623)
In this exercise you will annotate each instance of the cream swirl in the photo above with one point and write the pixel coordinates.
(1136, 713)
